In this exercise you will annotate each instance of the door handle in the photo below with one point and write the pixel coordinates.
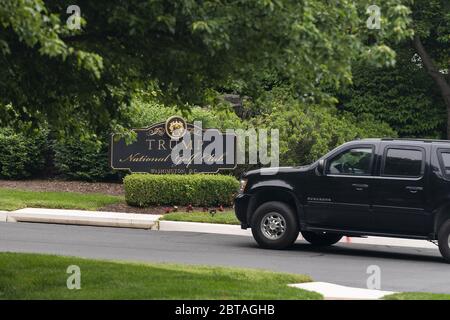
(359, 186)
(413, 189)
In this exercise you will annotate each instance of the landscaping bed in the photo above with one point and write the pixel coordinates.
(164, 210)
(14, 199)
(99, 196)
(35, 276)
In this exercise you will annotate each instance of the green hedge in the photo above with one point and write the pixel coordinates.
(199, 190)
(82, 159)
(21, 155)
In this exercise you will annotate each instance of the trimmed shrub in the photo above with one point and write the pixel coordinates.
(21, 155)
(82, 159)
(199, 190)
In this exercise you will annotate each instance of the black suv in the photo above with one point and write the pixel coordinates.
(383, 187)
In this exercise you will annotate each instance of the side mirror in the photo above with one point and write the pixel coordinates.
(321, 167)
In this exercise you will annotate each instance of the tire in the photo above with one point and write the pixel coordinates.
(321, 238)
(274, 225)
(444, 240)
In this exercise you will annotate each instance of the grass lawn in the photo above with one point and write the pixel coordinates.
(13, 199)
(33, 276)
(227, 217)
(417, 296)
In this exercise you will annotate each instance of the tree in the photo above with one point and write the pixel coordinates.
(431, 22)
(403, 96)
(179, 50)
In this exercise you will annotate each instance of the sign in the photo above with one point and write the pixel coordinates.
(174, 147)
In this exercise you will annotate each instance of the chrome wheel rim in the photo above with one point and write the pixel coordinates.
(273, 226)
(448, 241)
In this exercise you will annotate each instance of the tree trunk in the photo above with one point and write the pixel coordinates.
(437, 76)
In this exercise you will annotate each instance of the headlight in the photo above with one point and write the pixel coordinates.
(243, 185)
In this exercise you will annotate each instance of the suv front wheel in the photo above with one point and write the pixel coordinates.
(321, 238)
(274, 225)
(444, 240)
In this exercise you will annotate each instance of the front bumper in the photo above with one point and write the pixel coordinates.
(241, 203)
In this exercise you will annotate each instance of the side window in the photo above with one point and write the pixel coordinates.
(403, 163)
(445, 162)
(355, 161)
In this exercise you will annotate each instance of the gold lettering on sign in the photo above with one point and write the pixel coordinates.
(150, 141)
(138, 157)
(162, 144)
(188, 161)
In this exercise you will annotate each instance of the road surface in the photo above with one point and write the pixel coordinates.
(402, 269)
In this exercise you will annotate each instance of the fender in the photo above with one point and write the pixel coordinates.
(276, 183)
(274, 190)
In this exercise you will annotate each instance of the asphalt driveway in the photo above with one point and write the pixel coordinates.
(402, 269)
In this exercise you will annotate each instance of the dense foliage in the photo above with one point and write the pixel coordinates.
(431, 23)
(21, 154)
(182, 50)
(148, 112)
(135, 63)
(431, 43)
(198, 190)
(82, 159)
(309, 131)
(85, 157)
(403, 96)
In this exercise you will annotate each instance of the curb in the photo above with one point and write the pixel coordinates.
(80, 217)
(203, 228)
(3, 216)
(331, 291)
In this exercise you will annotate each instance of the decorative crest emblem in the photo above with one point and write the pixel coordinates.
(175, 127)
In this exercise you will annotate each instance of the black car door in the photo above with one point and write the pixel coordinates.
(399, 194)
(340, 198)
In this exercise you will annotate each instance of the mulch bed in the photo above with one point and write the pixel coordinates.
(115, 189)
(123, 207)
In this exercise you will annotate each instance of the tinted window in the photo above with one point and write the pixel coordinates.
(353, 161)
(402, 162)
(445, 156)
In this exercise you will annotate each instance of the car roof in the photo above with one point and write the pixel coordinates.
(414, 141)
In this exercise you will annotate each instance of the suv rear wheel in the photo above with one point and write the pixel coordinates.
(274, 225)
(321, 238)
(444, 240)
